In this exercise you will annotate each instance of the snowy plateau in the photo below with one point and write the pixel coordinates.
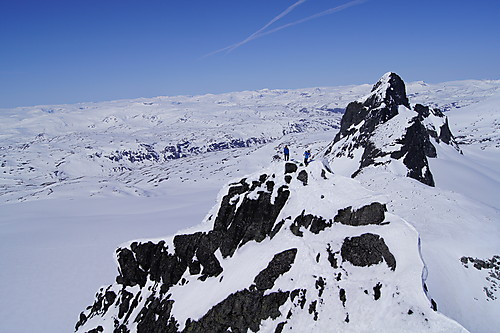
(178, 214)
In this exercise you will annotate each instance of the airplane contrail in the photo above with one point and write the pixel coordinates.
(252, 36)
(260, 33)
(323, 13)
(256, 34)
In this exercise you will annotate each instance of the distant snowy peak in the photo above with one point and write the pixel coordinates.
(383, 130)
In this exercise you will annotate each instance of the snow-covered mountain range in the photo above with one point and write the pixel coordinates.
(394, 226)
(46, 150)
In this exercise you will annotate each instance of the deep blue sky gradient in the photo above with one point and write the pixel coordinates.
(68, 51)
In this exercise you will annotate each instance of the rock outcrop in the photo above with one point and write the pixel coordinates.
(384, 129)
(269, 258)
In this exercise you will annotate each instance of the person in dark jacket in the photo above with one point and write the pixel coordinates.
(307, 155)
(286, 152)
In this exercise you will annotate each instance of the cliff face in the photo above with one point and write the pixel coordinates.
(383, 130)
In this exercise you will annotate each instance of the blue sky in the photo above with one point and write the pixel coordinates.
(55, 52)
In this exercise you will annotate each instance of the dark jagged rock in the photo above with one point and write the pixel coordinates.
(124, 303)
(315, 224)
(300, 294)
(445, 133)
(155, 316)
(98, 329)
(312, 310)
(387, 94)
(280, 264)
(331, 257)
(155, 261)
(366, 250)
(362, 119)
(369, 214)
(434, 305)
(492, 266)
(130, 273)
(376, 291)
(228, 205)
(185, 248)
(479, 264)
(423, 111)
(240, 312)
(416, 146)
(319, 224)
(303, 177)
(276, 228)
(354, 114)
(253, 220)
(342, 296)
(393, 92)
(279, 328)
(320, 285)
(290, 167)
(101, 305)
(209, 243)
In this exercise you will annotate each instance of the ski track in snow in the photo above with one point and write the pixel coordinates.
(65, 205)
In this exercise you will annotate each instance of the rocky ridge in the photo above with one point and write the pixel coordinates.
(291, 248)
(311, 261)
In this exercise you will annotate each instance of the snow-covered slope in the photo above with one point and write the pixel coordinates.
(292, 249)
(324, 242)
(103, 156)
(459, 220)
(138, 147)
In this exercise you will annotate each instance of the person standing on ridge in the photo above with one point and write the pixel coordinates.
(286, 152)
(307, 154)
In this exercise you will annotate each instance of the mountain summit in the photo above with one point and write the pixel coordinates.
(293, 248)
(382, 130)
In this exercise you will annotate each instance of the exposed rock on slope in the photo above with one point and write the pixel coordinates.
(275, 255)
(383, 130)
(294, 248)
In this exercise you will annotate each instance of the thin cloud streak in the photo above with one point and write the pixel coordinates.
(261, 33)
